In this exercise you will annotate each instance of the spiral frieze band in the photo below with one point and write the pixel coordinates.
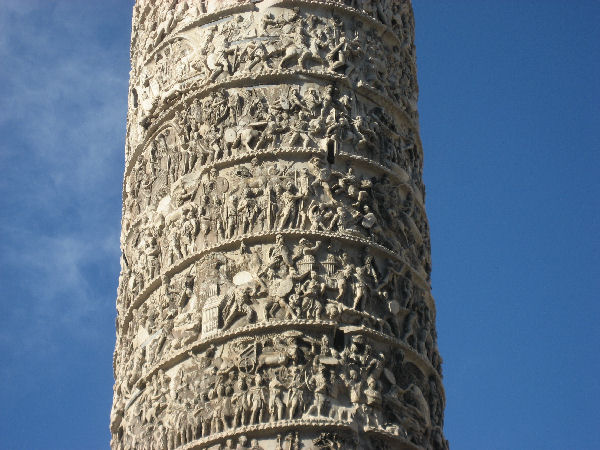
(275, 284)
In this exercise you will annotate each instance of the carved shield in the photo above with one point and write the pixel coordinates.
(283, 288)
(230, 135)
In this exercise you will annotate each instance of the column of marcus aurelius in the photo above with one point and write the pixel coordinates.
(275, 289)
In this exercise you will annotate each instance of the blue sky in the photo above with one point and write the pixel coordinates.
(510, 122)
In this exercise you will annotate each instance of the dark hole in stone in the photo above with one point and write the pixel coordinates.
(330, 152)
(338, 340)
(135, 98)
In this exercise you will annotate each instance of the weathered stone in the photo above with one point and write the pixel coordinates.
(275, 288)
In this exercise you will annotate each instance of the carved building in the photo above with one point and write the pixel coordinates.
(275, 287)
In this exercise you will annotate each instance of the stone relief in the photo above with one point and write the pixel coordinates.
(274, 291)
(269, 282)
(154, 20)
(240, 122)
(255, 198)
(284, 379)
(284, 40)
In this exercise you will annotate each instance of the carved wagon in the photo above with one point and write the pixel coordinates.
(246, 359)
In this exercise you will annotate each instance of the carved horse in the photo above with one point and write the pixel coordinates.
(299, 53)
(272, 359)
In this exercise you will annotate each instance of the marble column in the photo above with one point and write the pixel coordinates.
(275, 284)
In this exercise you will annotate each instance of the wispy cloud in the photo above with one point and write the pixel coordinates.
(59, 291)
(63, 89)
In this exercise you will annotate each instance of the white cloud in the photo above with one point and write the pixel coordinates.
(63, 93)
(59, 291)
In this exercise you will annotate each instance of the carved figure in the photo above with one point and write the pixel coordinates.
(257, 400)
(276, 407)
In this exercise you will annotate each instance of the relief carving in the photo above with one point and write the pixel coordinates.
(274, 289)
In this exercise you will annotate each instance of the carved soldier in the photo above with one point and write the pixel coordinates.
(279, 253)
(276, 406)
(257, 401)
(257, 56)
(295, 402)
(228, 445)
(317, 216)
(216, 60)
(239, 303)
(219, 217)
(231, 213)
(361, 289)
(337, 57)
(165, 27)
(205, 413)
(247, 211)
(355, 386)
(268, 137)
(300, 131)
(319, 384)
(312, 292)
(342, 221)
(152, 252)
(160, 437)
(313, 101)
(409, 328)
(373, 403)
(174, 250)
(189, 229)
(227, 407)
(371, 270)
(239, 402)
(242, 442)
(294, 311)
